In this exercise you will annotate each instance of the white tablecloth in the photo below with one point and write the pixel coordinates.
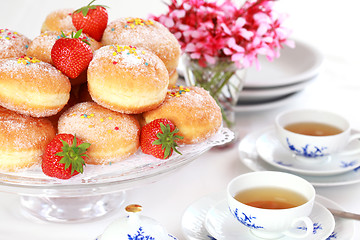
(331, 26)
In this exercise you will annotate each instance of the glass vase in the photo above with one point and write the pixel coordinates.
(224, 81)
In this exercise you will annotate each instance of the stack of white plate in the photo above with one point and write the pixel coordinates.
(277, 82)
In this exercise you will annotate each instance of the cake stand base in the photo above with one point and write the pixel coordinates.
(72, 209)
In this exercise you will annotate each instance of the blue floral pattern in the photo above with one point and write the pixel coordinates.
(140, 236)
(308, 150)
(244, 219)
(332, 236)
(344, 164)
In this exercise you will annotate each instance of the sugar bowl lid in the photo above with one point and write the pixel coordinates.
(135, 226)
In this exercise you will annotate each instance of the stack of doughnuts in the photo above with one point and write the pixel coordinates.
(130, 81)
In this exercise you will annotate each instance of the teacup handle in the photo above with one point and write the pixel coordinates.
(308, 229)
(353, 137)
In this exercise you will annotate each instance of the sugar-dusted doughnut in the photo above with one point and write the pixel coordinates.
(32, 87)
(127, 79)
(40, 47)
(12, 44)
(194, 112)
(23, 139)
(113, 136)
(59, 20)
(147, 34)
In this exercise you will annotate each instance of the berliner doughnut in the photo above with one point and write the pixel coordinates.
(113, 136)
(127, 79)
(193, 111)
(40, 47)
(147, 34)
(31, 87)
(23, 139)
(12, 44)
(59, 20)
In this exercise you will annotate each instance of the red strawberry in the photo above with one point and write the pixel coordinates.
(158, 138)
(64, 156)
(71, 55)
(92, 19)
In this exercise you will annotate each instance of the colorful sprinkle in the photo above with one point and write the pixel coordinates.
(27, 60)
(128, 50)
(177, 91)
(132, 22)
(7, 34)
(116, 128)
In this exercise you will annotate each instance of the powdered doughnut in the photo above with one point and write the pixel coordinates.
(194, 112)
(31, 87)
(12, 44)
(40, 47)
(127, 79)
(22, 139)
(147, 34)
(59, 20)
(113, 136)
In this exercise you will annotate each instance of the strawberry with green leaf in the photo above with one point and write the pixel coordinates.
(92, 19)
(64, 156)
(159, 138)
(71, 55)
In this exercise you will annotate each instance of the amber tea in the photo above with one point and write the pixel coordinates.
(270, 198)
(313, 129)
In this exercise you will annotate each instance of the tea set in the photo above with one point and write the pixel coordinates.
(269, 204)
(291, 156)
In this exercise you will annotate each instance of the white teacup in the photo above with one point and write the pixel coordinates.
(310, 147)
(272, 223)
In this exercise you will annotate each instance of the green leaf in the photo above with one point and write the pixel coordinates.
(72, 156)
(167, 139)
(78, 33)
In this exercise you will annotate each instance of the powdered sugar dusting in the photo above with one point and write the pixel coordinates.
(134, 61)
(192, 110)
(153, 37)
(107, 131)
(59, 20)
(12, 44)
(19, 133)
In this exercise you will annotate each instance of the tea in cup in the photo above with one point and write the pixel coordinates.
(311, 134)
(272, 204)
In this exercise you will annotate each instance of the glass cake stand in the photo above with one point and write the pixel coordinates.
(101, 188)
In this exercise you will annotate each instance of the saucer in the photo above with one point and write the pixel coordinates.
(273, 152)
(289, 68)
(193, 220)
(250, 158)
(220, 224)
(261, 95)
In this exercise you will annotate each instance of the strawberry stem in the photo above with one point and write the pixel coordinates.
(167, 139)
(72, 156)
(84, 10)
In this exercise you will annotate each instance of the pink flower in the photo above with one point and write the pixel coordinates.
(210, 30)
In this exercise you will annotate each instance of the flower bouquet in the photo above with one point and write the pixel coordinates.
(221, 39)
